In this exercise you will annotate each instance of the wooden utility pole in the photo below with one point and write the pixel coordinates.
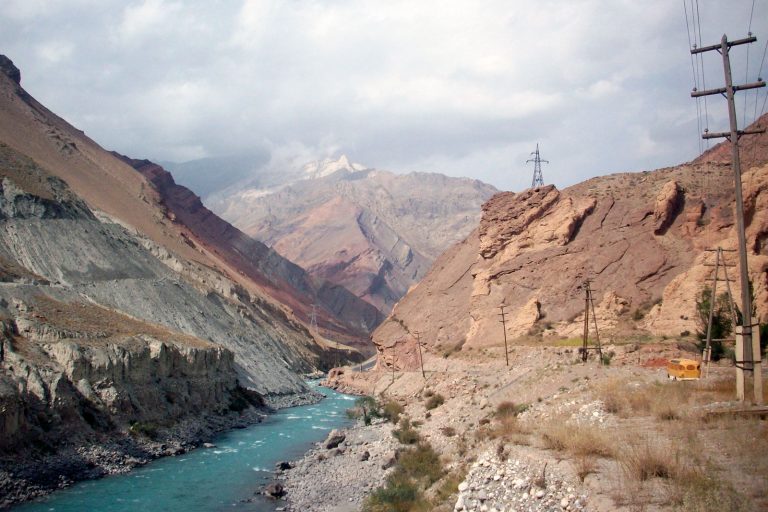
(745, 360)
(589, 304)
(421, 359)
(504, 326)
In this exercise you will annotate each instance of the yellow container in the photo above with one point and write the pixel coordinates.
(683, 369)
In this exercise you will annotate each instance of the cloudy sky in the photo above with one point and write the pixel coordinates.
(462, 87)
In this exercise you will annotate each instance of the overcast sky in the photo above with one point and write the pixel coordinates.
(466, 88)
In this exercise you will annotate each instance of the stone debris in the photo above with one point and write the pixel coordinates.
(322, 481)
(517, 484)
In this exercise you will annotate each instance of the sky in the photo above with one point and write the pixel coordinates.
(466, 88)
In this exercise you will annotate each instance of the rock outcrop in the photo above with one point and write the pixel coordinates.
(640, 238)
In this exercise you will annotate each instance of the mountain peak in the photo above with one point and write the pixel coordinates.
(9, 69)
(328, 166)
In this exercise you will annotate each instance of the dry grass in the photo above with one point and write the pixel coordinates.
(649, 460)
(665, 401)
(578, 441)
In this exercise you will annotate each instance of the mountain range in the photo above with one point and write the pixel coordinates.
(373, 232)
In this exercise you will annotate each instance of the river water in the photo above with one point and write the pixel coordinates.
(209, 480)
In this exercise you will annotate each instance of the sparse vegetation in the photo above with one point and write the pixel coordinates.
(391, 410)
(406, 433)
(365, 408)
(417, 469)
(434, 402)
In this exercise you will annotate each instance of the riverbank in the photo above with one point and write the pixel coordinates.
(338, 477)
(39, 472)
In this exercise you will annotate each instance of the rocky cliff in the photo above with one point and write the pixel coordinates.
(373, 232)
(641, 238)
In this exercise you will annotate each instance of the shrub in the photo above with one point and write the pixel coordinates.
(649, 460)
(434, 401)
(448, 431)
(392, 410)
(406, 434)
(365, 408)
(416, 470)
(421, 464)
(140, 428)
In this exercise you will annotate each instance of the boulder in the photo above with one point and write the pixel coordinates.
(335, 438)
(274, 490)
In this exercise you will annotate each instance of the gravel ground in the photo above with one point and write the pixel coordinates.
(518, 483)
(338, 479)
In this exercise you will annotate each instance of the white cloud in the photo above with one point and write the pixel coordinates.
(54, 52)
(142, 19)
(460, 86)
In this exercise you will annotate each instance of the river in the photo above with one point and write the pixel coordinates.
(213, 479)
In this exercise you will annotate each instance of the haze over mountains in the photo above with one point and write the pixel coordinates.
(374, 232)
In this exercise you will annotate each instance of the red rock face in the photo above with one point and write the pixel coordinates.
(640, 238)
(339, 312)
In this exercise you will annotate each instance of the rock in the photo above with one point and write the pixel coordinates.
(274, 490)
(459, 503)
(463, 486)
(540, 494)
(482, 495)
(564, 502)
(283, 466)
(483, 403)
(334, 439)
(365, 456)
(209, 445)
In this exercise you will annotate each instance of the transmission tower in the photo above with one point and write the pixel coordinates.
(538, 179)
(313, 319)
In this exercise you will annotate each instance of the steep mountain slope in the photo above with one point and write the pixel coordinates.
(153, 204)
(642, 239)
(373, 232)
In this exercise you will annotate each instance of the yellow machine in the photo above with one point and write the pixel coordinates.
(683, 369)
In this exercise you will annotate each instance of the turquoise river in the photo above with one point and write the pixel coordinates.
(209, 480)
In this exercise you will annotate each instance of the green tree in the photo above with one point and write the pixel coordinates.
(722, 326)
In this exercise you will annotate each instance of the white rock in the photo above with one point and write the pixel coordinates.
(459, 503)
(539, 494)
(525, 495)
(463, 486)
(564, 502)
(496, 477)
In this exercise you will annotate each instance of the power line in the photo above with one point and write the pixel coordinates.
(692, 44)
(697, 33)
(746, 72)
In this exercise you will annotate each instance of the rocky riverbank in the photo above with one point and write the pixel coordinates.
(337, 474)
(35, 474)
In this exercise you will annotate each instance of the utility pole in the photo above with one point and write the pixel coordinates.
(745, 359)
(421, 359)
(589, 304)
(719, 262)
(504, 326)
(538, 179)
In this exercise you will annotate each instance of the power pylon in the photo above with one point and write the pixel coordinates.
(538, 178)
